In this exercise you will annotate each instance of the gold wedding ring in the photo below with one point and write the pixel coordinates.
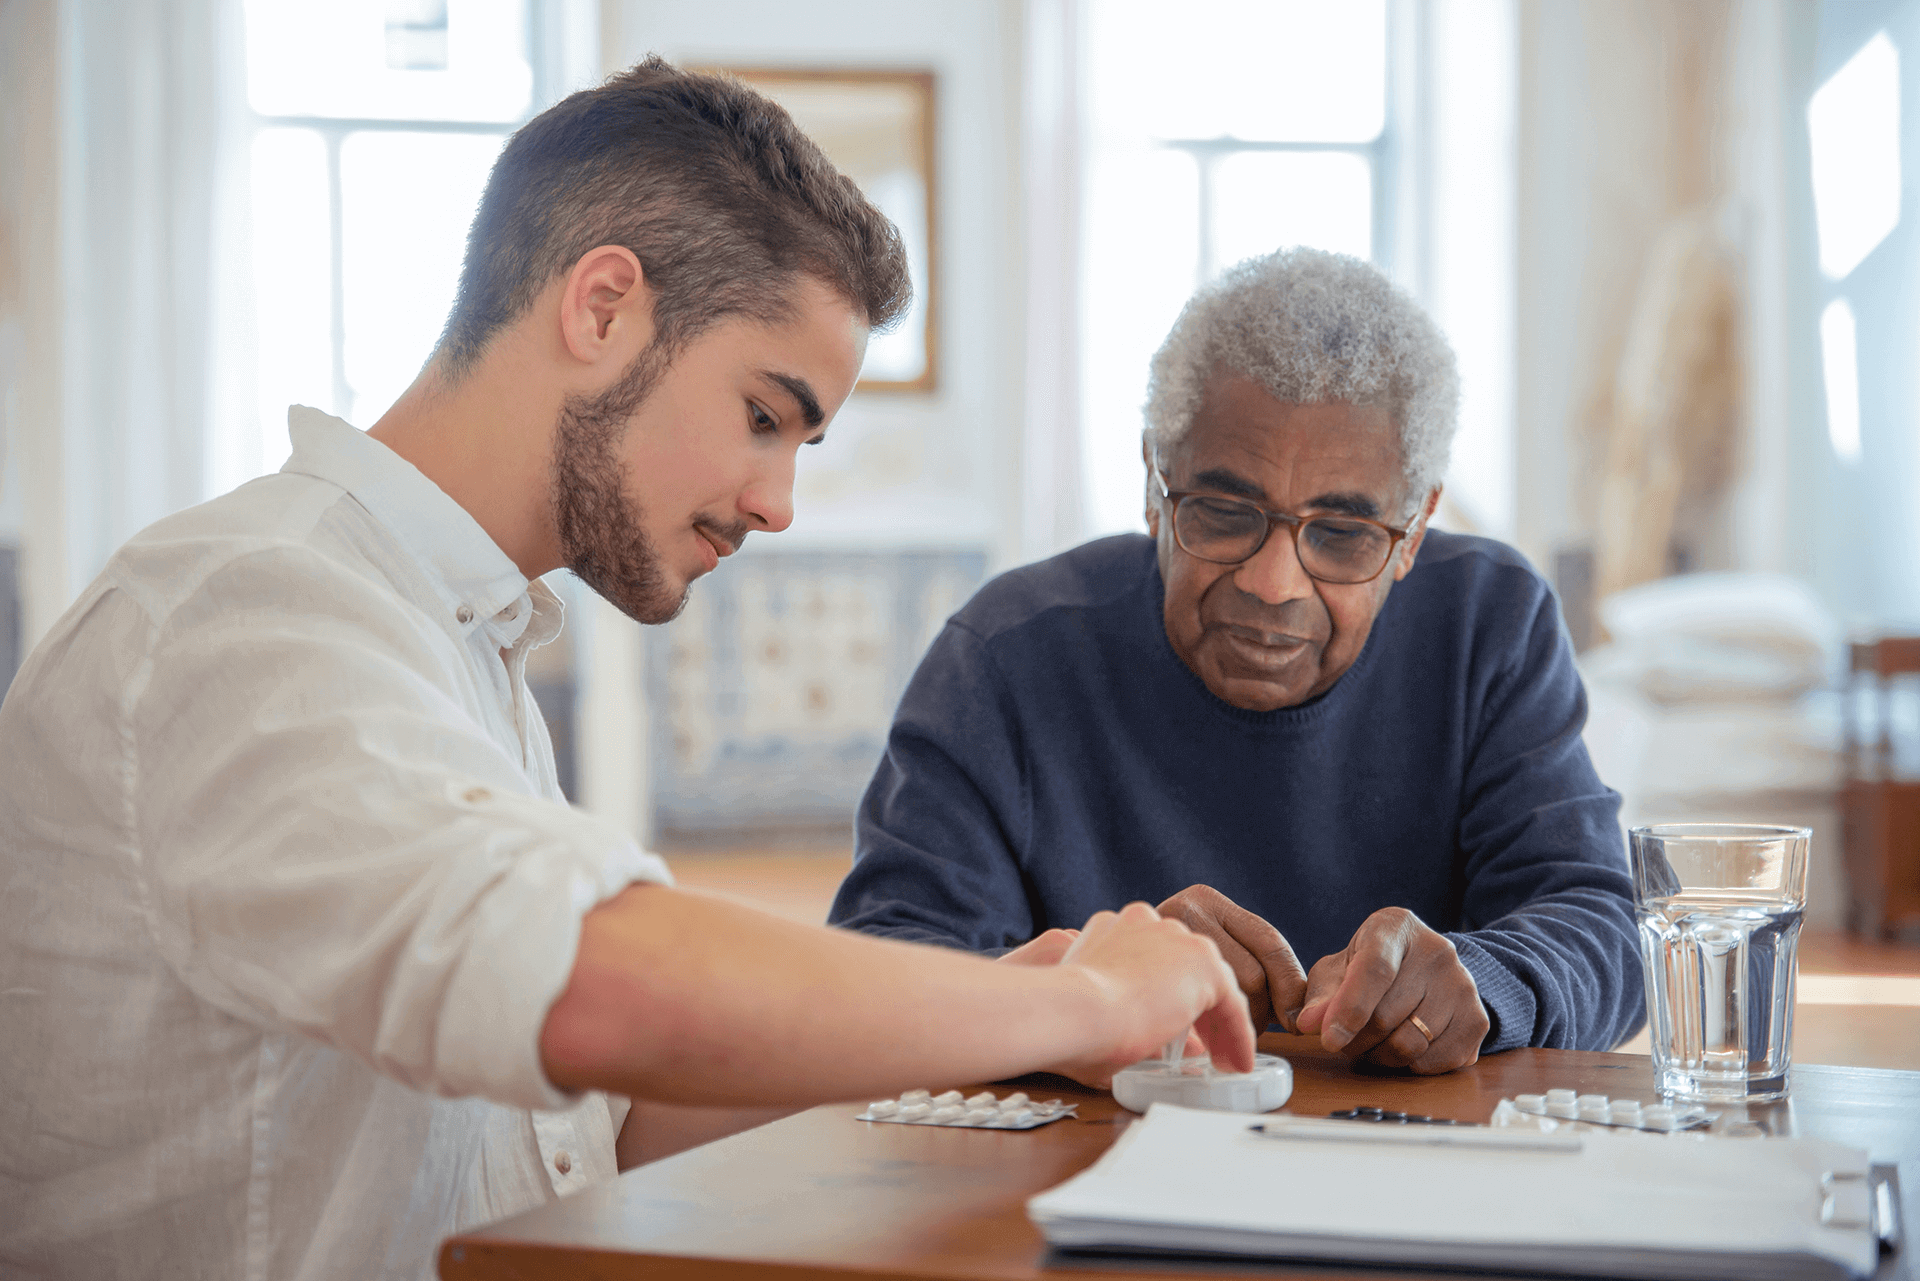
(1424, 1029)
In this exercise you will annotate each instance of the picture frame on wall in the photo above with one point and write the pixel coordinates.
(877, 127)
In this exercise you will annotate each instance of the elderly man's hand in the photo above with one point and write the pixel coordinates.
(1365, 1001)
(1261, 960)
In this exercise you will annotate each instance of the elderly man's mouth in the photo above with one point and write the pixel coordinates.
(1279, 644)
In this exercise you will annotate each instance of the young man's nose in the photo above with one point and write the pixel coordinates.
(767, 501)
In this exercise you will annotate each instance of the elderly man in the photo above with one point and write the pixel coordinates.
(1346, 736)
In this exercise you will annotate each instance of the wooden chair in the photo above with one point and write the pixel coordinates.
(1880, 809)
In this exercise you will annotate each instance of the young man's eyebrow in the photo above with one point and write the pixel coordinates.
(801, 391)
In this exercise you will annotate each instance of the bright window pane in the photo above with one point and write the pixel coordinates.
(1840, 362)
(292, 251)
(1270, 70)
(900, 355)
(1854, 125)
(407, 200)
(389, 59)
(1263, 200)
(1142, 249)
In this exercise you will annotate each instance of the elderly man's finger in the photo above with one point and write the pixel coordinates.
(1323, 980)
(1459, 1044)
(1253, 949)
(1285, 980)
(1411, 1039)
(1373, 963)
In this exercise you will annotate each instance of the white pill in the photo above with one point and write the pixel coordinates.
(1534, 1103)
(1595, 1112)
(984, 1099)
(915, 1111)
(885, 1107)
(948, 1099)
(1566, 1108)
(1013, 1120)
(1626, 1111)
(914, 1096)
(982, 1116)
(946, 1115)
(1562, 1096)
(1013, 1102)
(1657, 1117)
(1592, 1100)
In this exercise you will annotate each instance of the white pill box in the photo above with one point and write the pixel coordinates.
(981, 1111)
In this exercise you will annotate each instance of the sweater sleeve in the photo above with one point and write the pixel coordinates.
(936, 835)
(1548, 930)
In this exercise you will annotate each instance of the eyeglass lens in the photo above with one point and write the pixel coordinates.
(1331, 548)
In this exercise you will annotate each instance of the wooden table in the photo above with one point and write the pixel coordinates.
(821, 1193)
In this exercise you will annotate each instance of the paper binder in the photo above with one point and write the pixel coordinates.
(1617, 1204)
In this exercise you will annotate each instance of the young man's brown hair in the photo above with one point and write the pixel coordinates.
(710, 184)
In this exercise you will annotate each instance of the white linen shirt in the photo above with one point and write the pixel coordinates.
(287, 888)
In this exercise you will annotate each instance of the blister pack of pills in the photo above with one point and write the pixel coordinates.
(981, 1111)
(1566, 1107)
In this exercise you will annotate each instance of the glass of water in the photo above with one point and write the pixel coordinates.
(1719, 907)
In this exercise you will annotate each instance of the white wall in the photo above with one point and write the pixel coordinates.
(941, 469)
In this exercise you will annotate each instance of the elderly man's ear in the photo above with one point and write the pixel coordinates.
(1410, 545)
(1151, 509)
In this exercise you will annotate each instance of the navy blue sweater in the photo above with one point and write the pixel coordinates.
(1052, 757)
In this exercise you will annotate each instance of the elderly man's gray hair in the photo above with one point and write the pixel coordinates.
(1312, 327)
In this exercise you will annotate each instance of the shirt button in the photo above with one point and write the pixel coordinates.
(563, 1162)
(464, 614)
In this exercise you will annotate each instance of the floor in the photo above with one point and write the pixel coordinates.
(1858, 1001)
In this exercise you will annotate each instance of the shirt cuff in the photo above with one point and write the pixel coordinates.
(520, 956)
(1510, 1003)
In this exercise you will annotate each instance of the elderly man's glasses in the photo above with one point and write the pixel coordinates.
(1227, 531)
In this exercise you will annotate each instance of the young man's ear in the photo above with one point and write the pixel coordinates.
(606, 307)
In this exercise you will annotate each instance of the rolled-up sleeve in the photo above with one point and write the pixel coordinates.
(331, 844)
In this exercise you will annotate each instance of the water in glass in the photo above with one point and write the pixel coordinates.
(1720, 966)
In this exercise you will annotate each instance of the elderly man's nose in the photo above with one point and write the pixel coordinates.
(1273, 574)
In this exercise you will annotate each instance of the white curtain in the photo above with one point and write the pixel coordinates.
(121, 218)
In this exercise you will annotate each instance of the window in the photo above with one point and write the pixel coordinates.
(376, 123)
(1853, 127)
(1215, 131)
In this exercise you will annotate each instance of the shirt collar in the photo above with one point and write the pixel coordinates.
(480, 584)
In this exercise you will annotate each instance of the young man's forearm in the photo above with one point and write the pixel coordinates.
(682, 998)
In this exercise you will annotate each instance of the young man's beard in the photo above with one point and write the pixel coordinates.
(600, 534)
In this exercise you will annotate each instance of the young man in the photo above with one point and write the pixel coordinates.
(303, 962)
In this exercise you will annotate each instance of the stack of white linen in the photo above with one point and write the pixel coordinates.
(1714, 699)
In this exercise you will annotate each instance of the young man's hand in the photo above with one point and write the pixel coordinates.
(1159, 979)
(1049, 948)
(1397, 996)
(1262, 961)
